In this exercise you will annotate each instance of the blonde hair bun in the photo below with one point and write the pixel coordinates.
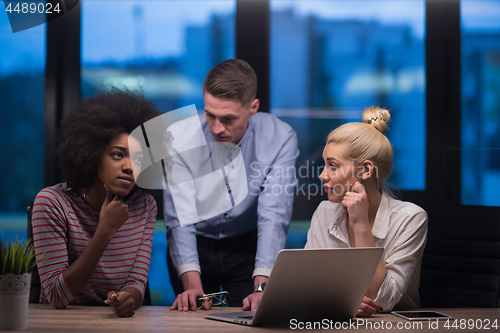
(377, 117)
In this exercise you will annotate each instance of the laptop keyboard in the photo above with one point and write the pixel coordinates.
(245, 317)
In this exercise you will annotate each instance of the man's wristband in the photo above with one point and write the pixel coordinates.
(260, 287)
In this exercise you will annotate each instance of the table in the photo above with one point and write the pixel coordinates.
(43, 318)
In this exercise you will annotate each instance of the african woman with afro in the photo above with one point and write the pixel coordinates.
(93, 233)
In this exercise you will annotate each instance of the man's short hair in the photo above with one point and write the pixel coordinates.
(233, 79)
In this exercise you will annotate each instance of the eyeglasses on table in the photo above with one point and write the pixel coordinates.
(215, 299)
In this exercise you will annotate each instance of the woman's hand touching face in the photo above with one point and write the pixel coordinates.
(355, 203)
(114, 212)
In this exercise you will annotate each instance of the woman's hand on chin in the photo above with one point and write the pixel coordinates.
(114, 212)
(355, 203)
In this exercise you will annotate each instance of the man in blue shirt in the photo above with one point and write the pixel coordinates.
(236, 250)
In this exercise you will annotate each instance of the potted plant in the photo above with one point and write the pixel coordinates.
(17, 260)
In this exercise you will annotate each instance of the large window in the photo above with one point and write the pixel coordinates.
(332, 59)
(165, 49)
(480, 120)
(22, 63)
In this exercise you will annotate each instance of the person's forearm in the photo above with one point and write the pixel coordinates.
(363, 237)
(135, 294)
(78, 273)
(377, 280)
(260, 279)
(271, 240)
(191, 280)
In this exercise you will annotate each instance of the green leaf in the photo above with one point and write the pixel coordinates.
(17, 257)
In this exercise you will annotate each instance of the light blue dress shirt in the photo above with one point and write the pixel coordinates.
(269, 149)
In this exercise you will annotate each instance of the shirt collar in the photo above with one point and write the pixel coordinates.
(381, 224)
(338, 227)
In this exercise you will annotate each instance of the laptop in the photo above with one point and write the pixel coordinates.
(311, 285)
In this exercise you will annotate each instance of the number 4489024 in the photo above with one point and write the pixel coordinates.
(32, 8)
(471, 324)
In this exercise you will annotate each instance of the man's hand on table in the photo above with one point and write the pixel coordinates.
(188, 300)
(252, 301)
(122, 304)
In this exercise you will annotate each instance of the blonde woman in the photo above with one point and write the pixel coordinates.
(361, 213)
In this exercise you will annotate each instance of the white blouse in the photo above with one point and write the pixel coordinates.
(400, 228)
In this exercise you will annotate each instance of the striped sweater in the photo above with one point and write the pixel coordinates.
(63, 226)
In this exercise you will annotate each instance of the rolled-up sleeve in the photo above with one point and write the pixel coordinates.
(138, 275)
(275, 204)
(181, 240)
(49, 222)
(401, 260)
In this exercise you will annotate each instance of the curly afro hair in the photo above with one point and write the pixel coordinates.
(97, 120)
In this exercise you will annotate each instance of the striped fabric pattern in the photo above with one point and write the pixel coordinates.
(63, 226)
